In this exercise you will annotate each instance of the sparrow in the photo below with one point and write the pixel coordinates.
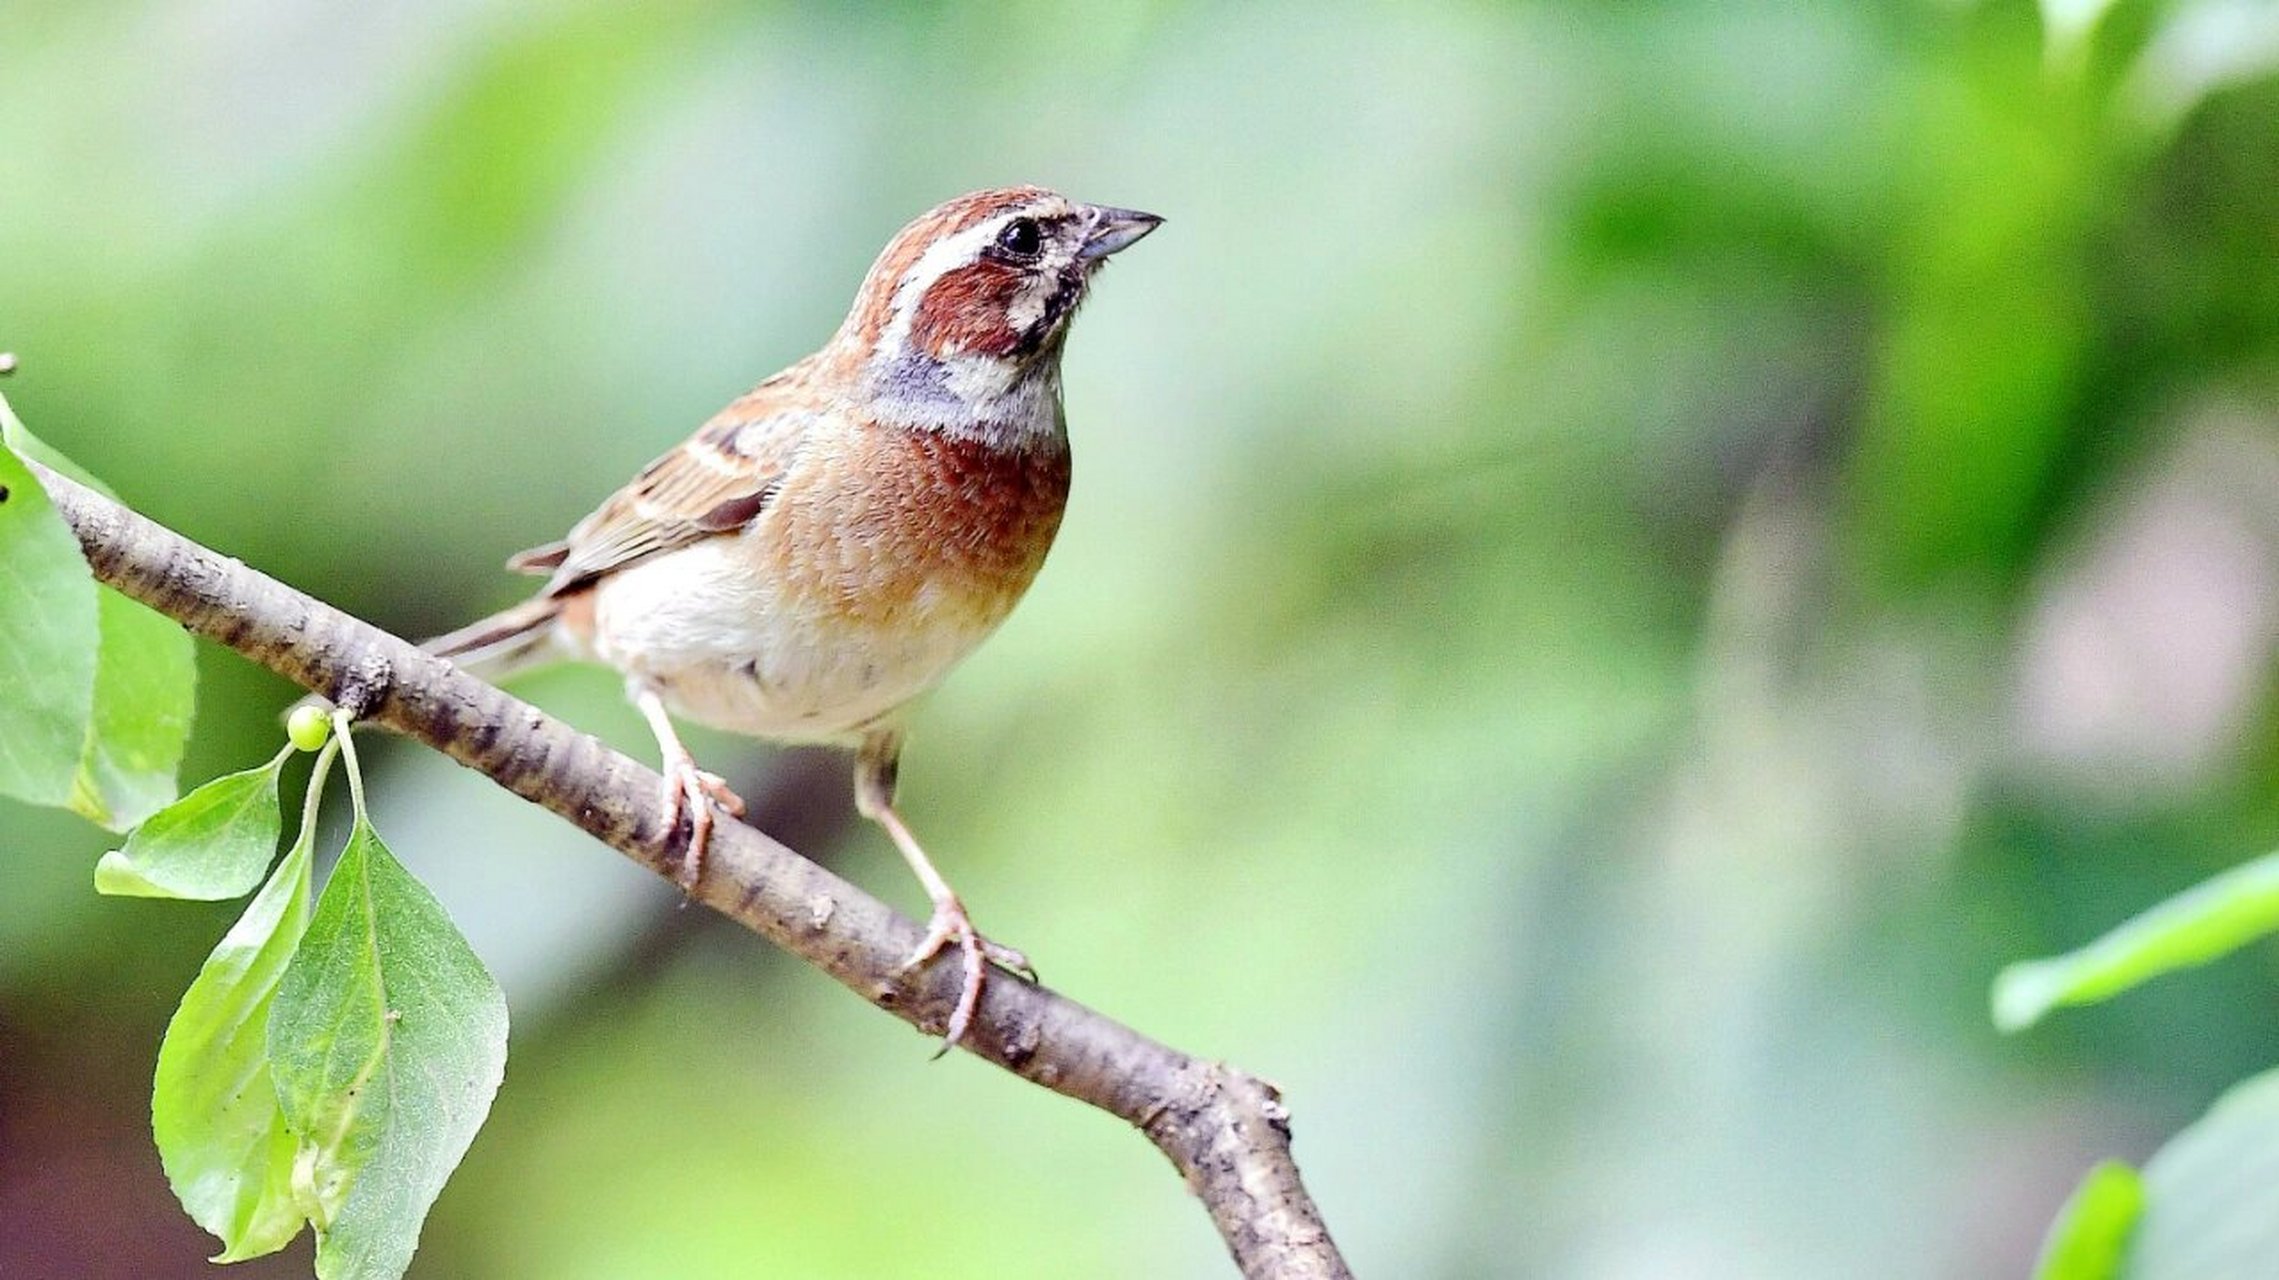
(823, 550)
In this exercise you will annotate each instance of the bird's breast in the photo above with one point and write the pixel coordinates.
(888, 527)
(885, 558)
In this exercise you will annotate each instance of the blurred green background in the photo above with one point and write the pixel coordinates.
(1624, 559)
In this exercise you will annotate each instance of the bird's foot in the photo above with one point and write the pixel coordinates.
(692, 793)
(951, 926)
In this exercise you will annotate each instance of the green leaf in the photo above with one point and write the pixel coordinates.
(146, 683)
(221, 1132)
(211, 844)
(128, 685)
(387, 1042)
(48, 635)
(2201, 924)
(2092, 1230)
(16, 436)
(2212, 1194)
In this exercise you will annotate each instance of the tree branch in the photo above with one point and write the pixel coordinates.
(1225, 1130)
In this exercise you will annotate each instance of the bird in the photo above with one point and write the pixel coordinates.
(822, 551)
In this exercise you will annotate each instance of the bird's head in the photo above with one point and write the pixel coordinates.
(977, 293)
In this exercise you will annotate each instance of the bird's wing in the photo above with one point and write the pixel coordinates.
(718, 481)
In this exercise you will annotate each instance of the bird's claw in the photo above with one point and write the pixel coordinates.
(950, 925)
(692, 793)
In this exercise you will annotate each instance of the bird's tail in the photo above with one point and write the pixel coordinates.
(492, 648)
(505, 642)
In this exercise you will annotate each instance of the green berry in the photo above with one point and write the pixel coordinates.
(309, 727)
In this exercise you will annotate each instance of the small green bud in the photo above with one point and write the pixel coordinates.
(309, 727)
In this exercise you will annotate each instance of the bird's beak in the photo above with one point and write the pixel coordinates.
(1113, 229)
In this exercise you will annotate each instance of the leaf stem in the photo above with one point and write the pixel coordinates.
(340, 735)
(318, 771)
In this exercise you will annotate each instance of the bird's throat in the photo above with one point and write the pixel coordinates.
(1006, 403)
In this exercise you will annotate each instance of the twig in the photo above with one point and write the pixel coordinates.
(1226, 1130)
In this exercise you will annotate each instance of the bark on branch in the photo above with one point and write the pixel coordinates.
(1225, 1130)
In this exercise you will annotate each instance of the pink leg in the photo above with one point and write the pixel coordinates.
(689, 791)
(874, 797)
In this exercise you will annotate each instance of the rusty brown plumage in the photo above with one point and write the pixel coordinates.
(922, 513)
(966, 310)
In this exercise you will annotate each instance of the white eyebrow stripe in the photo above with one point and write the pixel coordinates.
(948, 254)
(940, 258)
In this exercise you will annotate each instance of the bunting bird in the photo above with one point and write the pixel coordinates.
(829, 545)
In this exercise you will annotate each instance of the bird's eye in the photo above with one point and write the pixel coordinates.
(1021, 238)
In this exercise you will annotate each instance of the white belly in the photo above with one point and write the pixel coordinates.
(726, 649)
